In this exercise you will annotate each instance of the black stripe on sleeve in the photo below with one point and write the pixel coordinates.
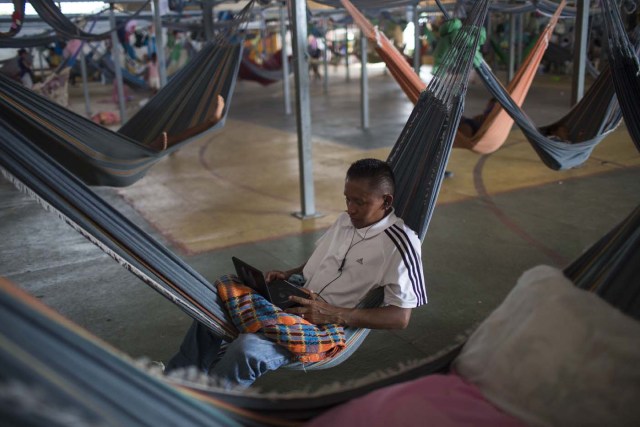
(415, 257)
(406, 258)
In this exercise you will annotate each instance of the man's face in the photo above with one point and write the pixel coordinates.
(365, 204)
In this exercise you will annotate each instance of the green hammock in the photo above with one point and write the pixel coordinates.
(185, 108)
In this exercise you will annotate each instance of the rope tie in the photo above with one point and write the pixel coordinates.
(165, 141)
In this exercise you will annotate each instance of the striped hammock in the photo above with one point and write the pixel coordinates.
(624, 59)
(28, 165)
(187, 107)
(61, 368)
(564, 144)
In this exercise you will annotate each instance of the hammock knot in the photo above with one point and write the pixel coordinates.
(165, 141)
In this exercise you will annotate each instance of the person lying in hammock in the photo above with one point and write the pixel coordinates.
(165, 140)
(367, 247)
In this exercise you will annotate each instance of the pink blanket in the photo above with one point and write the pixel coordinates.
(437, 400)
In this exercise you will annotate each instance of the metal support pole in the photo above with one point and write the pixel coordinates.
(85, 89)
(520, 29)
(263, 33)
(488, 42)
(157, 25)
(303, 108)
(346, 50)
(117, 63)
(325, 63)
(207, 19)
(417, 60)
(41, 59)
(364, 84)
(285, 62)
(512, 47)
(580, 51)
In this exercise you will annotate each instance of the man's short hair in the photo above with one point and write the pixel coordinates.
(378, 173)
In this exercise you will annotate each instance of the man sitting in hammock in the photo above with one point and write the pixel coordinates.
(367, 247)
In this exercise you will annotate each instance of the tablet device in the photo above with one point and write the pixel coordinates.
(277, 292)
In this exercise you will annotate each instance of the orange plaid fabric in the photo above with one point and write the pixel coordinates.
(252, 313)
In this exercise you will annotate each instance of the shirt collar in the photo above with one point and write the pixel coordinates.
(376, 228)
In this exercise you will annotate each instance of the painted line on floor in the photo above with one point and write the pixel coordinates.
(491, 205)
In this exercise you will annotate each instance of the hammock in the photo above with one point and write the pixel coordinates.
(564, 144)
(496, 125)
(106, 65)
(494, 129)
(16, 19)
(44, 39)
(35, 172)
(55, 87)
(568, 142)
(63, 28)
(609, 268)
(626, 69)
(186, 107)
(53, 373)
(420, 155)
(266, 73)
(27, 165)
(52, 357)
(52, 15)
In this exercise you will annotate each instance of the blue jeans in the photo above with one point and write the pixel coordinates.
(246, 358)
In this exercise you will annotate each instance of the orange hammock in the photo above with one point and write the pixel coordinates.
(496, 125)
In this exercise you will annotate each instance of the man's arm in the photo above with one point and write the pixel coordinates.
(319, 312)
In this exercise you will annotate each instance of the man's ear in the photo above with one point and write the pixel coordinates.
(388, 201)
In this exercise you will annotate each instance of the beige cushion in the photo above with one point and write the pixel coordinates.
(552, 354)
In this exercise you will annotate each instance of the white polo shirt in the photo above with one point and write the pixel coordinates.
(386, 254)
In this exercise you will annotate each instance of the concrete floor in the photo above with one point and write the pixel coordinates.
(232, 193)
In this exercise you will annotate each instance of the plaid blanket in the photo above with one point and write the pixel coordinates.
(251, 313)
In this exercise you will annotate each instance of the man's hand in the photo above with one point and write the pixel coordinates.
(275, 275)
(315, 310)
